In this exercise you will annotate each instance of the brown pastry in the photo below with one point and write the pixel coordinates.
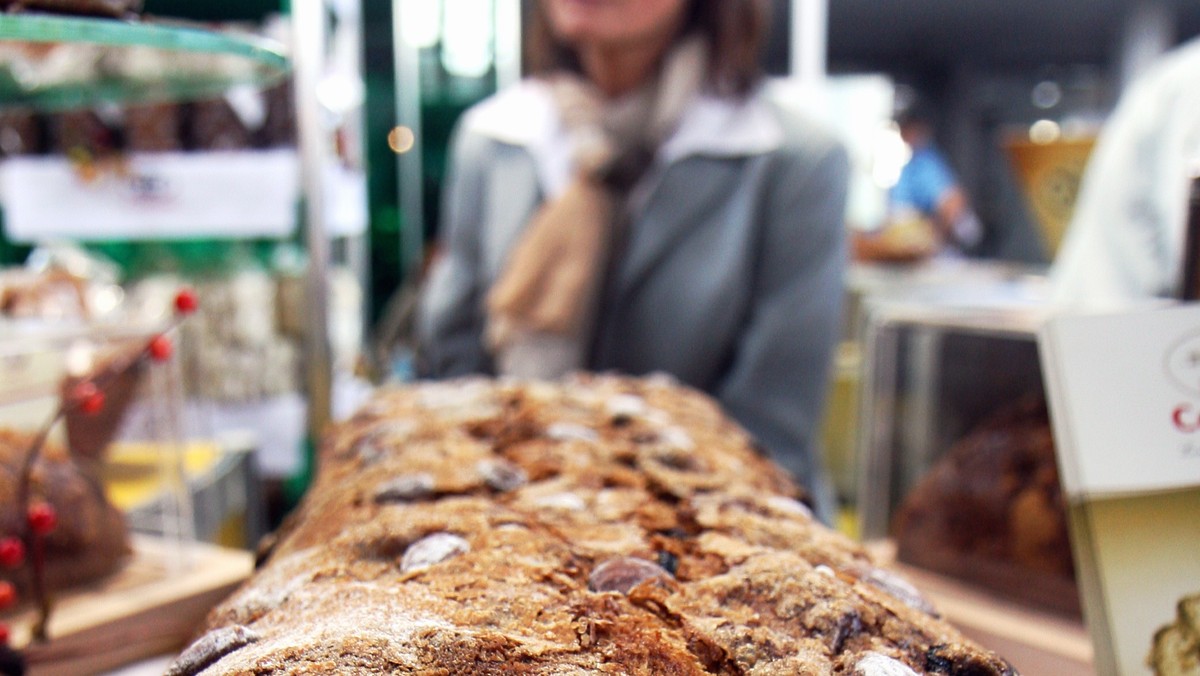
(153, 128)
(81, 132)
(601, 525)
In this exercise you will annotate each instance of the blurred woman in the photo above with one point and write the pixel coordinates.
(644, 203)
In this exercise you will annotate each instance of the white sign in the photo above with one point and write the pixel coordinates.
(152, 196)
(1125, 396)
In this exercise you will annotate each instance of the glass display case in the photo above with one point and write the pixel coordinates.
(106, 504)
(70, 393)
(187, 113)
(100, 560)
(956, 455)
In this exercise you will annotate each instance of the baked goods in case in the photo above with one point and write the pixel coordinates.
(1176, 649)
(51, 295)
(601, 525)
(91, 539)
(153, 128)
(236, 349)
(991, 511)
(116, 8)
(216, 126)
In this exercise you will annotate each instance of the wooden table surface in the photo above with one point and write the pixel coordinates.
(151, 607)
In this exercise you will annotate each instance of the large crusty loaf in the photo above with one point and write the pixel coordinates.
(603, 525)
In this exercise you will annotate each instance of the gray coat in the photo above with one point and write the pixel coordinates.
(731, 279)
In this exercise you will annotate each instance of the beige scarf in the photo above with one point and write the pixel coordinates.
(542, 309)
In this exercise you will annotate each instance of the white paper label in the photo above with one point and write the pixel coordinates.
(346, 201)
(1125, 400)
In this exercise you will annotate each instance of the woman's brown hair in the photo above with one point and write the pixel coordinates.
(734, 30)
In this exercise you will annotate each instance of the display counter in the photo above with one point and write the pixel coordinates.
(966, 284)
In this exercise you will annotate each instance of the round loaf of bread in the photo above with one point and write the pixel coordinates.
(991, 511)
(90, 540)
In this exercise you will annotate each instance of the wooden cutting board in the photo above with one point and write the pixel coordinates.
(151, 607)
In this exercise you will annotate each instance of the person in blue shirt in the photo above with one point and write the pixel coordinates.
(926, 183)
(928, 190)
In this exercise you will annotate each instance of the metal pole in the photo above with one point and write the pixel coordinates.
(357, 255)
(809, 43)
(1149, 30)
(308, 59)
(408, 114)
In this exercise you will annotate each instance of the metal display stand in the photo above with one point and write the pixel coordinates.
(152, 61)
(318, 115)
(309, 30)
(126, 62)
(413, 81)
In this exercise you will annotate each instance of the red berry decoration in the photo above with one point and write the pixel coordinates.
(160, 348)
(42, 518)
(12, 552)
(8, 595)
(93, 403)
(186, 302)
(4, 634)
(88, 397)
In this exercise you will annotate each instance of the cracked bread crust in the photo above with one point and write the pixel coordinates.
(603, 525)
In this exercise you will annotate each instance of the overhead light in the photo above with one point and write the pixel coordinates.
(1046, 94)
(1044, 132)
(341, 93)
(401, 139)
(468, 29)
(420, 22)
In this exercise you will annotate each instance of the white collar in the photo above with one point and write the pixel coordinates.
(524, 115)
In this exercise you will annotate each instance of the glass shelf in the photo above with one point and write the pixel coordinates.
(51, 63)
